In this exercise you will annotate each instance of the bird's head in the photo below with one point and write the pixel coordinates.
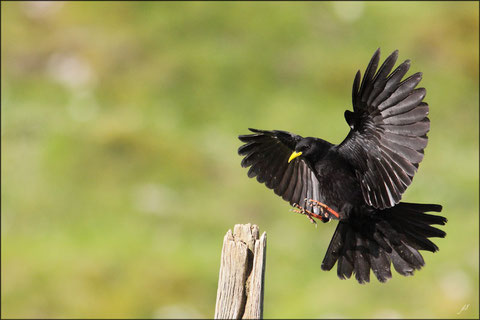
(312, 149)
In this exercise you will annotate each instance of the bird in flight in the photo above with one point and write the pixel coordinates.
(360, 181)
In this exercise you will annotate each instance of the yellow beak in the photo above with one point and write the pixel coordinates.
(294, 155)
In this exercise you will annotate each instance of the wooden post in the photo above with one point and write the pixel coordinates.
(242, 274)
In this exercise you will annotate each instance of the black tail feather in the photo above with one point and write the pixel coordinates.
(360, 264)
(379, 262)
(345, 260)
(375, 241)
(335, 247)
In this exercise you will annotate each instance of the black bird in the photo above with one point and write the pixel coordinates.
(360, 181)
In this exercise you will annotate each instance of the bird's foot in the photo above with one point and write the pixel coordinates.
(310, 215)
(325, 209)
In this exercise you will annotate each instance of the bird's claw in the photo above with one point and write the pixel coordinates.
(326, 210)
(310, 215)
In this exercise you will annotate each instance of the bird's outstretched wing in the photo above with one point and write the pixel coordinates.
(267, 153)
(388, 130)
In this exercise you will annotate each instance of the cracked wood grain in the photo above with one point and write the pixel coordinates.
(242, 274)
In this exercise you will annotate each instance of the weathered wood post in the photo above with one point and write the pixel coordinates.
(242, 274)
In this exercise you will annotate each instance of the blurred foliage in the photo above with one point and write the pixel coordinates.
(120, 173)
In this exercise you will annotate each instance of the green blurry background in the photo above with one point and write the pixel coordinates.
(120, 173)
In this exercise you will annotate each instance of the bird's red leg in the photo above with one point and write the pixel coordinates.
(308, 213)
(304, 211)
(324, 206)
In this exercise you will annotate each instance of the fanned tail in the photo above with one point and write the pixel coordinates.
(391, 236)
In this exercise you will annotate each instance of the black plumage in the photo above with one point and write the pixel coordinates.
(360, 181)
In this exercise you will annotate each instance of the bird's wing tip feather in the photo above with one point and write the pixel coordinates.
(394, 55)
